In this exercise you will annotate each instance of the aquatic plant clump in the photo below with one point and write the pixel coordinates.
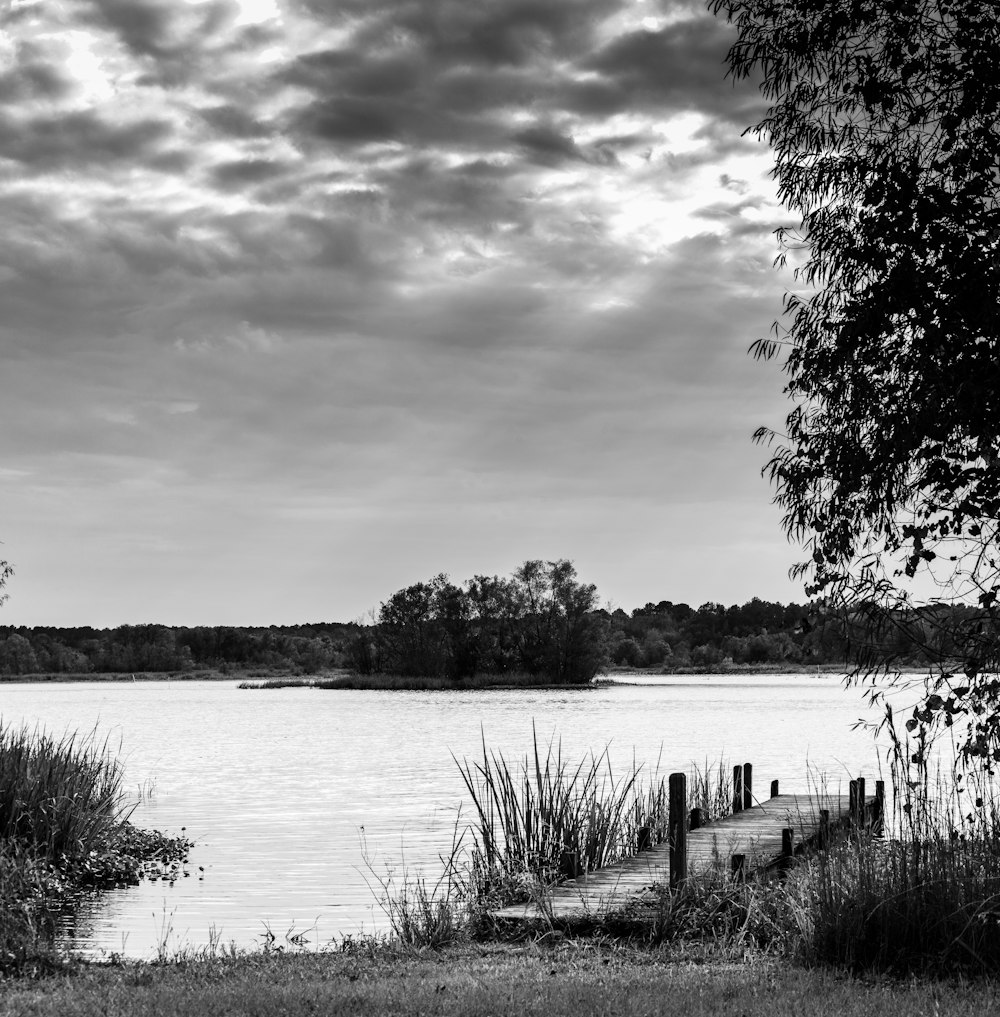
(58, 799)
(64, 827)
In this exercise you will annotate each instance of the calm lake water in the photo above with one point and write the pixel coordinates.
(301, 801)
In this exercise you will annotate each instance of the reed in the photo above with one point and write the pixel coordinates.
(60, 799)
(542, 819)
(64, 825)
(436, 683)
(279, 683)
(926, 897)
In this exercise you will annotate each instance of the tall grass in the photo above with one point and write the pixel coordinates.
(64, 825)
(60, 799)
(279, 683)
(927, 896)
(542, 819)
(435, 683)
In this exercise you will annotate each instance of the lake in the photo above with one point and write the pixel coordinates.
(301, 802)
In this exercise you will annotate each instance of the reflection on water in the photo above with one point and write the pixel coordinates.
(301, 801)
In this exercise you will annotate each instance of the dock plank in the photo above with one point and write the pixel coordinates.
(755, 833)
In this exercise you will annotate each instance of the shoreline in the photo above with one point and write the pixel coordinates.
(261, 675)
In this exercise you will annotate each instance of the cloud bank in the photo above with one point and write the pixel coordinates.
(304, 302)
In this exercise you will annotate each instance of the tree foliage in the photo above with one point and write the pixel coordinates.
(542, 620)
(883, 121)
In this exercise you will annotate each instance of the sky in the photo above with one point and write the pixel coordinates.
(304, 301)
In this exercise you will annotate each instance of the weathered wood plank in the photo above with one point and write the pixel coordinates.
(758, 833)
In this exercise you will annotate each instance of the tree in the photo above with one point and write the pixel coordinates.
(883, 121)
(6, 571)
(561, 634)
(542, 621)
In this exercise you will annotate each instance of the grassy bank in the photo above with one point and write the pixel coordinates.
(201, 675)
(397, 682)
(552, 978)
(64, 828)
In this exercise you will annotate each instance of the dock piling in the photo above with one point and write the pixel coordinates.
(787, 847)
(856, 810)
(878, 809)
(677, 829)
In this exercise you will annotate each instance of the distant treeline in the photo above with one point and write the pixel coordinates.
(541, 620)
(678, 636)
(158, 648)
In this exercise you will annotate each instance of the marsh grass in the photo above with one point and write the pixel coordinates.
(926, 896)
(60, 799)
(421, 912)
(541, 819)
(64, 826)
(435, 683)
(280, 683)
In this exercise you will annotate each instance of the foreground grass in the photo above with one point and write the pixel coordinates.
(554, 979)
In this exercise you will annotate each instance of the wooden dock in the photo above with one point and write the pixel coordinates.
(754, 837)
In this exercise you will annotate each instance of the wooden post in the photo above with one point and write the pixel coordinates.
(824, 829)
(677, 829)
(748, 785)
(569, 864)
(737, 789)
(696, 820)
(853, 806)
(738, 867)
(644, 839)
(774, 789)
(878, 820)
(787, 846)
(861, 804)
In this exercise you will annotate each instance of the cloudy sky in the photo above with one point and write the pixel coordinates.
(302, 301)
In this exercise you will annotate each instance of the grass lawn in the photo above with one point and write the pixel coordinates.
(564, 979)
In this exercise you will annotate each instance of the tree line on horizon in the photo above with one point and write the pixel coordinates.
(540, 620)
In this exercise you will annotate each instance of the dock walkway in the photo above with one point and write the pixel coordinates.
(757, 837)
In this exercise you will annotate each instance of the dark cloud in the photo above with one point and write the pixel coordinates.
(227, 175)
(356, 73)
(450, 32)
(356, 120)
(723, 211)
(547, 145)
(33, 80)
(79, 138)
(680, 67)
(171, 41)
(234, 121)
(144, 26)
